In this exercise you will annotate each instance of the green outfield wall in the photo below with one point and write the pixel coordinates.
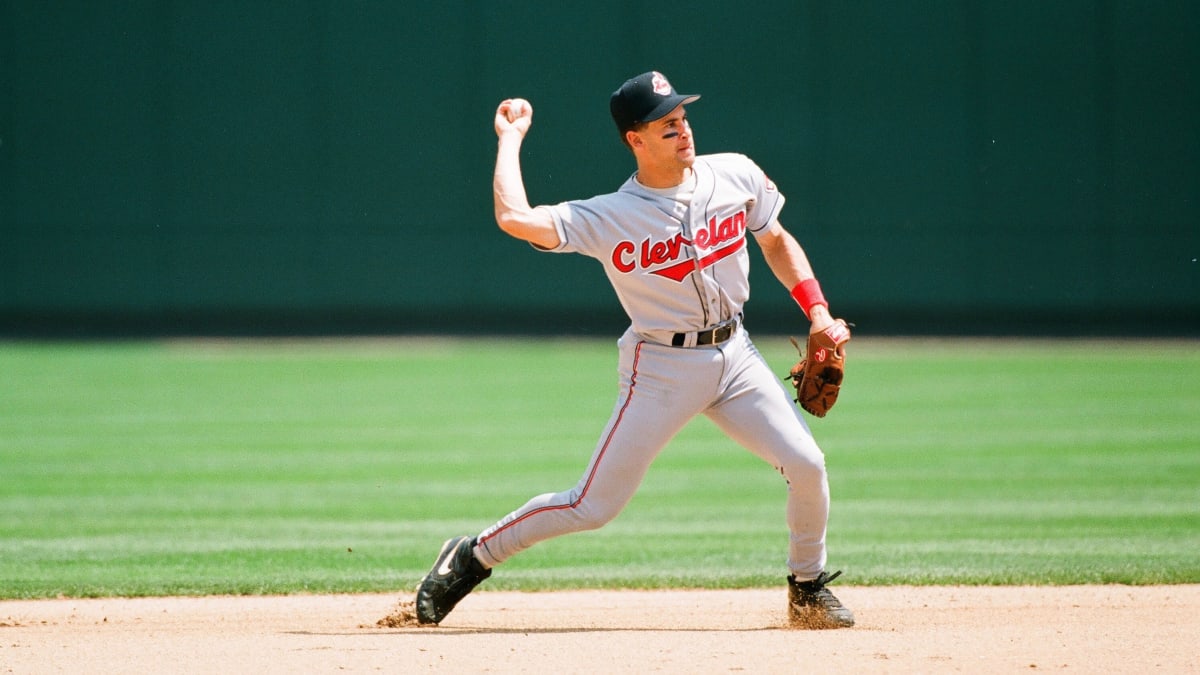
(233, 167)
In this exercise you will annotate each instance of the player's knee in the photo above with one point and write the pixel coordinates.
(593, 514)
(805, 470)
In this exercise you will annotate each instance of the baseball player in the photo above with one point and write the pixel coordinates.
(672, 240)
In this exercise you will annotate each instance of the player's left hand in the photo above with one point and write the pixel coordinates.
(818, 376)
(821, 319)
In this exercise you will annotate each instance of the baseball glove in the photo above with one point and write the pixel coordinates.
(818, 376)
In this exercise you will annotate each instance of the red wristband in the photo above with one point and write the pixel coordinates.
(808, 294)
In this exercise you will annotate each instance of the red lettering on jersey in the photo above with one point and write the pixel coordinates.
(627, 256)
(676, 272)
(622, 249)
(722, 253)
(653, 253)
(716, 234)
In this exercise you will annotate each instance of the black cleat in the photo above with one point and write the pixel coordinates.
(811, 605)
(455, 572)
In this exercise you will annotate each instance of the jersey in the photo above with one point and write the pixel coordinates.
(677, 257)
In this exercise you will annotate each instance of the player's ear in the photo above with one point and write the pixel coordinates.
(633, 139)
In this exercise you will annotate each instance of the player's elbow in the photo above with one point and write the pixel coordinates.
(510, 222)
(533, 225)
(514, 227)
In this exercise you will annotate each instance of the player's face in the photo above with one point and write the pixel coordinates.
(670, 138)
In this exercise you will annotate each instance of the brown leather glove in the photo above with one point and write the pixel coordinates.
(818, 376)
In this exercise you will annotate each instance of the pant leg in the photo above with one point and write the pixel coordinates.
(662, 388)
(757, 411)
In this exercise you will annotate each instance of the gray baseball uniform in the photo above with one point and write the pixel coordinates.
(678, 262)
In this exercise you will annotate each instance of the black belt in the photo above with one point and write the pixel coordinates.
(713, 336)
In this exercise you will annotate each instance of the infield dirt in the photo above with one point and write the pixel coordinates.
(1074, 629)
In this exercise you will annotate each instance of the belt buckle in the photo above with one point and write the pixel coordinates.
(722, 333)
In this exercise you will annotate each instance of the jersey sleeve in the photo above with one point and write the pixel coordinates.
(768, 201)
(763, 200)
(563, 243)
(583, 225)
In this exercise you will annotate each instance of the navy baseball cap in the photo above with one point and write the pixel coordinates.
(644, 98)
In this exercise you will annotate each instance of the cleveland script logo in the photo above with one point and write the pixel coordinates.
(668, 259)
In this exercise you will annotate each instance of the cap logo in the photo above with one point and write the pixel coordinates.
(660, 84)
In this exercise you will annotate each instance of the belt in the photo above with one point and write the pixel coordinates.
(712, 336)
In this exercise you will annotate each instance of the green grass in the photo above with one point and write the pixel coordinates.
(280, 467)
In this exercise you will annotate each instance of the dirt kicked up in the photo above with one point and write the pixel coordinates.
(1080, 629)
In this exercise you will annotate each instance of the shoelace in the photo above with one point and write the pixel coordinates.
(816, 589)
(824, 578)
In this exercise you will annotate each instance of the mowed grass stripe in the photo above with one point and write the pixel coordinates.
(149, 468)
